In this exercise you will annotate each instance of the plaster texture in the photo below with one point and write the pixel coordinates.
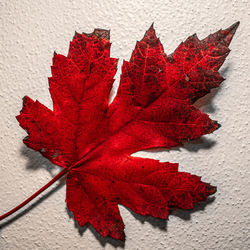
(32, 30)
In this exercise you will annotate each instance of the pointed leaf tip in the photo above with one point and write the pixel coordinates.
(218, 125)
(149, 35)
(229, 33)
(210, 189)
(76, 34)
(99, 33)
(234, 27)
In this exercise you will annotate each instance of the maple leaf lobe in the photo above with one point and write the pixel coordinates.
(153, 108)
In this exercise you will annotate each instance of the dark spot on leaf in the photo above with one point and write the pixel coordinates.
(90, 67)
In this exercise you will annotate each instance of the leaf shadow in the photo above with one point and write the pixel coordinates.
(205, 103)
(155, 222)
(186, 214)
(36, 161)
(181, 213)
(102, 240)
(198, 144)
(202, 143)
(33, 205)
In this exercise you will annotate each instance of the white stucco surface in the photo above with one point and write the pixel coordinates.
(32, 30)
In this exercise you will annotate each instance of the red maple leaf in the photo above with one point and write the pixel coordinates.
(93, 140)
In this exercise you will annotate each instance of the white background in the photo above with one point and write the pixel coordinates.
(32, 30)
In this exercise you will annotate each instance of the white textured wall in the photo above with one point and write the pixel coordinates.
(32, 30)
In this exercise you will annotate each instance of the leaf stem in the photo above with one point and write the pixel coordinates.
(58, 176)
